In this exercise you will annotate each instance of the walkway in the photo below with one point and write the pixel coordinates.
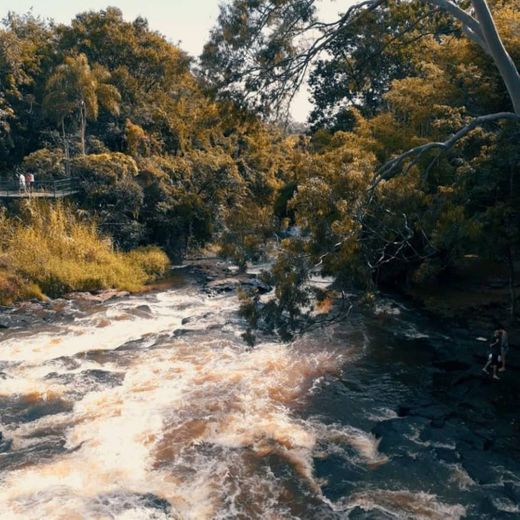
(41, 189)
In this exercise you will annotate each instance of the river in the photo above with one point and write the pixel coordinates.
(152, 407)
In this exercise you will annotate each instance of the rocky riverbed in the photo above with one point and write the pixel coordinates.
(151, 406)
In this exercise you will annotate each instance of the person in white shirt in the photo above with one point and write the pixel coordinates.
(21, 180)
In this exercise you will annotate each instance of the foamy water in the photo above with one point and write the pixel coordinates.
(405, 505)
(155, 423)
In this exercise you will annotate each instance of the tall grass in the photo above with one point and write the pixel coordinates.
(50, 250)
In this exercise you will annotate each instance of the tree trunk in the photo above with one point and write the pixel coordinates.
(82, 125)
(510, 255)
(65, 148)
(498, 52)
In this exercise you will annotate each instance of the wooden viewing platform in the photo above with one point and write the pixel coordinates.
(41, 189)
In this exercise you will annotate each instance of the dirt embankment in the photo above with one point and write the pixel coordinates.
(476, 295)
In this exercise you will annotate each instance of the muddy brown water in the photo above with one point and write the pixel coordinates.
(124, 412)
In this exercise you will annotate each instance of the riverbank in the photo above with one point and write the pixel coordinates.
(382, 415)
(211, 274)
(475, 294)
(50, 251)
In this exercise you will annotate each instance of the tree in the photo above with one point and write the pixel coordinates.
(76, 89)
(360, 220)
(26, 52)
(358, 66)
(127, 49)
(158, 91)
(111, 193)
(258, 52)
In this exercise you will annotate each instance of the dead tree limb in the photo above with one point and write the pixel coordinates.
(390, 168)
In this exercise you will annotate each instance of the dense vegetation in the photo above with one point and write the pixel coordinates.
(385, 80)
(116, 106)
(167, 156)
(51, 251)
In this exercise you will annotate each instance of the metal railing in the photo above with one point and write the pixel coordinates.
(50, 188)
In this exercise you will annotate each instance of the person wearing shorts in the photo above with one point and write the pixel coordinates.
(494, 358)
(504, 348)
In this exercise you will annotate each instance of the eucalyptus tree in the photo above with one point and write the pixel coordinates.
(358, 214)
(261, 50)
(359, 65)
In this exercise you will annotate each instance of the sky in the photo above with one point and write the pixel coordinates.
(186, 22)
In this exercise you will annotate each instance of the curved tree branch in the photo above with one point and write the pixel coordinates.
(391, 167)
(498, 52)
(462, 16)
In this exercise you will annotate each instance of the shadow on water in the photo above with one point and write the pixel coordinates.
(177, 415)
(30, 408)
(451, 453)
(36, 444)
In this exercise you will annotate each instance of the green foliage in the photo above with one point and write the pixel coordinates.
(51, 249)
(165, 160)
(13, 288)
(248, 227)
(289, 275)
(74, 86)
(250, 310)
(413, 227)
(47, 163)
(96, 170)
(251, 37)
(26, 51)
(150, 259)
(365, 57)
(160, 161)
(110, 191)
(281, 204)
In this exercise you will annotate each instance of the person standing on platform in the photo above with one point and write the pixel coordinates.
(21, 180)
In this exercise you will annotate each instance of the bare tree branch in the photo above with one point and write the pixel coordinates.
(272, 77)
(498, 52)
(391, 167)
(470, 25)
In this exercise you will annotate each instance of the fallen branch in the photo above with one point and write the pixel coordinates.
(388, 169)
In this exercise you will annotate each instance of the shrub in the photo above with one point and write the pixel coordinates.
(50, 246)
(13, 288)
(152, 260)
(45, 163)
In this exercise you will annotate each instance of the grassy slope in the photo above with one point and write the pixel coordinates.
(50, 251)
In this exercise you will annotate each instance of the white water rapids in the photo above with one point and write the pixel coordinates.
(150, 423)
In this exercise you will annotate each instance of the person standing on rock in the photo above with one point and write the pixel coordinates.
(494, 355)
(504, 348)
